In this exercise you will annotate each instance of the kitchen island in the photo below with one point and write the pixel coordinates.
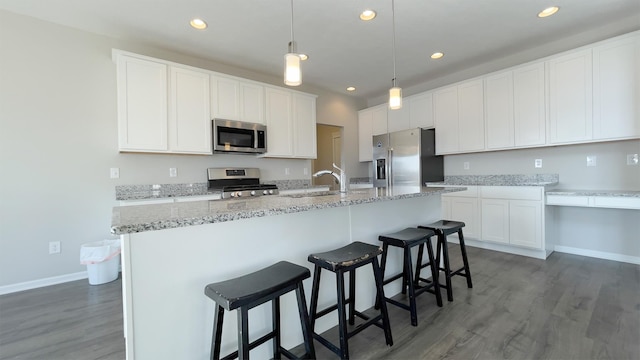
(171, 251)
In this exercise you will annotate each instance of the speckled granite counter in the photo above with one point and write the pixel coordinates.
(611, 193)
(133, 219)
(500, 180)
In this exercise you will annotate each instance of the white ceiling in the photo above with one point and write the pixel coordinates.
(344, 50)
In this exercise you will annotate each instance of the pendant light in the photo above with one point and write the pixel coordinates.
(292, 71)
(395, 93)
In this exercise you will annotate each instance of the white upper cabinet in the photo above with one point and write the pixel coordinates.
(421, 110)
(189, 112)
(379, 119)
(142, 104)
(365, 135)
(529, 105)
(399, 118)
(570, 97)
(499, 110)
(291, 124)
(234, 99)
(616, 89)
(459, 117)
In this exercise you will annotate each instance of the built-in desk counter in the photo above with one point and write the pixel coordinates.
(595, 198)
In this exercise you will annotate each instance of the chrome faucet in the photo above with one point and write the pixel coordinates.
(341, 177)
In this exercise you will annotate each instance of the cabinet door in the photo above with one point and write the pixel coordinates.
(225, 98)
(304, 126)
(446, 208)
(616, 89)
(466, 210)
(570, 98)
(499, 110)
(399, 118)
(142, 104)
(251, 102)
(529, 105)
(471, 116)
(525, 223)
(421, 111)
(379, 118)
(278, 118)
(445, 114)
(189, 113)
(495, 220)
(365, 135)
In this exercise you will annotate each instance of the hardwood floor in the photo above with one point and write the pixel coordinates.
(567, 307)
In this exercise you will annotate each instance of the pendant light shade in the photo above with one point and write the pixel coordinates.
(292, 70)
(395, 93)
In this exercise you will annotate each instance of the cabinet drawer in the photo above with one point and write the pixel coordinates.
(616, 202)
(567, 200)
(472, 191)
(511, 192)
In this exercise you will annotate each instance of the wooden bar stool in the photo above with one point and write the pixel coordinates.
(407, 239)
(444, 228)
(340, 261)
(248, 291)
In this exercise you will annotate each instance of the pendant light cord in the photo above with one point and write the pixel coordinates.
(292, 47)
(393, 40)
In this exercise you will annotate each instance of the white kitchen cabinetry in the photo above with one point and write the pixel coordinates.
(234, 99)
(161, 113)
(499, 110)
(291, 124)
(459, 118)
(399, 118)
(371, 121)
(616, 89)
(189, 112)
(421, 111)
(142, 104)
(463, 206)
(570, 98)
(529, 105)
(513, 215)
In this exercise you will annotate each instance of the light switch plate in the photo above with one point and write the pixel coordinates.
(115, 173)
(591, 160)
(173, 172)
(465, 165)
(632, 159)
(537, 163)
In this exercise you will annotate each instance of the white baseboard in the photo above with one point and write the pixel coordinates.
(28, 285)
(598, 254)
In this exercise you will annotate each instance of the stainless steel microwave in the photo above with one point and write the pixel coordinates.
(239, 137)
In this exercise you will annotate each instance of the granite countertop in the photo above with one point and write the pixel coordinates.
(611, 193)
(132, 219)
(499, 180)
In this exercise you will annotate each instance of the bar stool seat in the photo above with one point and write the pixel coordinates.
(408, 239)
(340, 261)
(444, 228)
(248, 291)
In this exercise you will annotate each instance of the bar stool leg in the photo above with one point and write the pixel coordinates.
(275, 315)
(352, 296)
(342, 316)
(313, 309)
(307, 330)
(408, 264)
(379, 279)
(418, 265)
(216, 337)
(447, 269)
(383, 263)
(434, 273)
(463, 250)
(243, 334)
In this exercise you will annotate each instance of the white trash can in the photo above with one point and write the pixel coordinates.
(102, 259)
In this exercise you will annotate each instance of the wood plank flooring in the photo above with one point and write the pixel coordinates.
(567, 307)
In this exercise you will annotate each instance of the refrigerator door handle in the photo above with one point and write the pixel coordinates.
(390, 167)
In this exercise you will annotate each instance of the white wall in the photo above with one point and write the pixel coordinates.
(58, 139)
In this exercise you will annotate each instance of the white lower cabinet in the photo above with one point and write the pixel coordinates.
(525, 223)
(495, 220)
(463, 206)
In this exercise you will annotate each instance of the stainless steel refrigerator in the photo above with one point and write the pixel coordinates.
(406, 158)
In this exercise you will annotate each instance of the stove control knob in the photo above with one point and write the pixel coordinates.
(232, 194)
(253, 193)
(265, 192)
(270, 192)
(239, 193)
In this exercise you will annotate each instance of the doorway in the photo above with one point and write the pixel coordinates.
(329, 142)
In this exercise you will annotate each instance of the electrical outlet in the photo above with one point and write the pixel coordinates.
(538, 163)
(115, 173)
(591, 160)
(306, 171)
(173, 172)
(465, 165)
(54, 247)
(632, 159)
(287, 171)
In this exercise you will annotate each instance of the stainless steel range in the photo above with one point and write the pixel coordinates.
(239, 183)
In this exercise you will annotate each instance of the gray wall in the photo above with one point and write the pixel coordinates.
(58, 139)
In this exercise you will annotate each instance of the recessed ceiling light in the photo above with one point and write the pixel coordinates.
(351, 88)
(548, 11)
(198, 24)
(303, 57)
(437, 55)
(367, 15)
